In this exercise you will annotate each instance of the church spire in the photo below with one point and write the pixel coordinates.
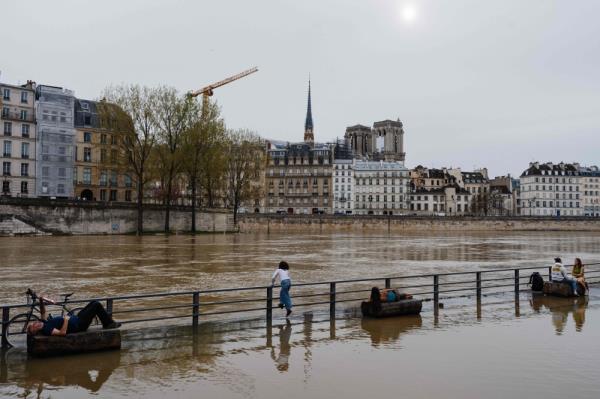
(308, 125)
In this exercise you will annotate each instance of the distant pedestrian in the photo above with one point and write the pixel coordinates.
(283, 272)
(559, 274)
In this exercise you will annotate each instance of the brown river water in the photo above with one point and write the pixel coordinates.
(535, 347)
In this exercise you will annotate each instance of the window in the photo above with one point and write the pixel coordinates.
(63, 117)
(128, 195)
(6, 94)
(113, 195)
(7, 128)
(5, 187)
(25, 130)
(113, 178)
(103, 138)
(60, 189)
(24, 189)
(62, 172)
(103, 178)
(87, 137)
(87, 154)
(87, 176)
(113, 140)
(5, 111)
(23, 115)
(7, 148)
(6, 168)
(45, 171)
(24, 169)
(103, 155)
(24, 97)
(25, 150)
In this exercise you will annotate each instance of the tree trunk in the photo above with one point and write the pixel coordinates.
(168, 206)
(140, 207)
(193, 181)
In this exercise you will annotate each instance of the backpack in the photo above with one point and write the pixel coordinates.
(536, 281)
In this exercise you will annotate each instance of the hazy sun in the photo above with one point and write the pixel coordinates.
(408, 12)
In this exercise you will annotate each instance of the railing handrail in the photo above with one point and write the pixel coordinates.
(262, 287)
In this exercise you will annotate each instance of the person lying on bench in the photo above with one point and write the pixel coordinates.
(62, 326)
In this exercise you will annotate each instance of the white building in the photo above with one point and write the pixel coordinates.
(18, 139)
(380, 188)
(590, 180)
(343, 186)
(551, 190)
(450, 200)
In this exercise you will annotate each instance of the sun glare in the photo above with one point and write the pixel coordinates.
(408, 12)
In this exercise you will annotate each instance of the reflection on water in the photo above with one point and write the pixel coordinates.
(560, 309)
(310, 355)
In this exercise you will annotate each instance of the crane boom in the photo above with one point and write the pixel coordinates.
(208, 89)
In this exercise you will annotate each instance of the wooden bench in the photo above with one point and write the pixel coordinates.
(558, 288)
(89, 341)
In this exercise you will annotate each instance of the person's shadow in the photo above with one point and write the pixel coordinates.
(560, 309)
(282, 360)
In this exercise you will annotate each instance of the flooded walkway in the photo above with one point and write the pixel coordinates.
(542, 348)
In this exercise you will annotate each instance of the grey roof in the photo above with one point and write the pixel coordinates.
(381, 165)
(536, 168)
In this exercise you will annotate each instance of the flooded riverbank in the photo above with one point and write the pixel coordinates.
(544, 348)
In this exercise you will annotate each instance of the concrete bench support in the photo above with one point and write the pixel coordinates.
(89, 341)
(558, 289)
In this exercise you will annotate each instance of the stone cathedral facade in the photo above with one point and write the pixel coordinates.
(383, 142)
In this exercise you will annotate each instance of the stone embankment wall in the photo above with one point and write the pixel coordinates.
(251, 223)
(61, 217)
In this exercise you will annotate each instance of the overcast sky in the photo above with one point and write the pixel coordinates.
(476, 83)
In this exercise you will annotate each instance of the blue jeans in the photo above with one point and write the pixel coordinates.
(573, 283)
(284, 294)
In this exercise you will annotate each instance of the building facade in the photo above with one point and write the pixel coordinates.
(96, 172)
(449, 200)
(385, 141)
(18, 154)
(548, 189)
(342, 179)
(55, 141)
(590, 182)
(380, 188)
(298, 179)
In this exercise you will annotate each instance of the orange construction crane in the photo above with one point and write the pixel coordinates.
(208, 90)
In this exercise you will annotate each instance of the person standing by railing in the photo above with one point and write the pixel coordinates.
(283, 272)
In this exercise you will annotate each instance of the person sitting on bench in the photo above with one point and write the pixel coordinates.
(559, 274)
(62, 326)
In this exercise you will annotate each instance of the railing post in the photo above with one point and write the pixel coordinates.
(195, 309)
(332, 301)
(549, 273)
(269, 304)
(388, 283)
(478, 279)
(517, 281)
(109, 306)
(5, 318)
(436, 290)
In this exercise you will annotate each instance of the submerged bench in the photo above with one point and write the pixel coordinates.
(89, 341)
(388, 309)
(558, 288)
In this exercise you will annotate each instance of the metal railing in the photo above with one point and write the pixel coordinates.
(199, 304)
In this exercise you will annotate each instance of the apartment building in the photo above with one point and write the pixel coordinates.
(380, 188)
(18, 139)
(590, 182)
(449, 200)
(342, 180)
(55, 141)
(548, 189)
(97, 175)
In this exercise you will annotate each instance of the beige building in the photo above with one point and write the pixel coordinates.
(96, 173)
(18, 124)
(449, 200)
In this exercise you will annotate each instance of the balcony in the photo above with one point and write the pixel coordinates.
(16, 116)
(7, 155)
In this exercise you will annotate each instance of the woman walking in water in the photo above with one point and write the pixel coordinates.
(283, 272)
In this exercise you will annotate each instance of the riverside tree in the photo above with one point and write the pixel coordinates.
(245, 163)
(134, 118)
(174, 114)
(200, 142)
